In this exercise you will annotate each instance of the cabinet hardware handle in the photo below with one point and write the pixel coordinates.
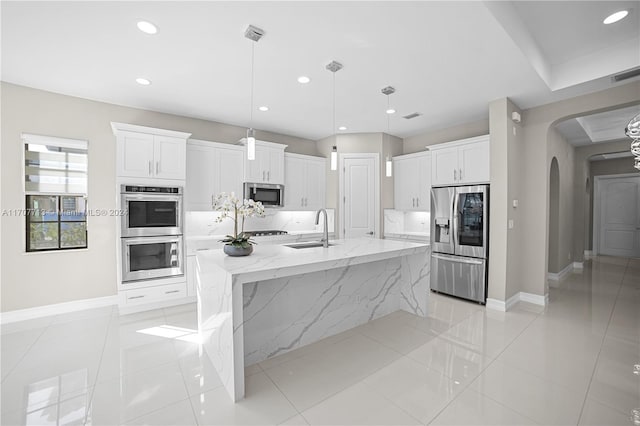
(417, 202)
(370, 233)
(306, 201)
(135, 297)
(157, 166)
(460, 174)
(302, 201)
(172, 291)
(150, 171)
(269, 175)
(263, 176)
(455, 174)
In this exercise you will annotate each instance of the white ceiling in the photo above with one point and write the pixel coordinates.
(597, 128)
(447, 60)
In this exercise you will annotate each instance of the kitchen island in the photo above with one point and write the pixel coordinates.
(280, 298)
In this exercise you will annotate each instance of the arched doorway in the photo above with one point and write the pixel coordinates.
(554, 216)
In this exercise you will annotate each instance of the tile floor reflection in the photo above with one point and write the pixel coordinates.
(570, 363)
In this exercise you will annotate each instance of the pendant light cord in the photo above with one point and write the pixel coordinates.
(253, 45)
(333, 130)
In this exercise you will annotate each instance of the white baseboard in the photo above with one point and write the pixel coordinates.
(57, 309)
(578, 265)
(132, 309)
(499, 305)
(560, 275)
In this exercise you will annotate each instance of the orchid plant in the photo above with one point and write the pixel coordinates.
(232, 207)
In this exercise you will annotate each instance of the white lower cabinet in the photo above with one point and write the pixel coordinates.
(305, 182)
(191, 276)
(158, 293)
(412, 182)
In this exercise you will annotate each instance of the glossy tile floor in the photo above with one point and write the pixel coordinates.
(571, 363)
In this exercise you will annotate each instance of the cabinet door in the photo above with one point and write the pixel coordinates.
(191, 276)
(275, 168)
(474, 162)
(201, 178)
(135, 154)
(254, 169)
(295, 183)
(444, 166)
(404, 183)
(314, 198)
(229, 171)
(169, 155)
(423, 202)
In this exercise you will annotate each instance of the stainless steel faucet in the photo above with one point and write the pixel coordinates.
(325, 232)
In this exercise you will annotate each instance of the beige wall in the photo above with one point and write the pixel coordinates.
(537, 124)
(418, 142)
(562, 151)
(380, 143)
(583, 217)
(37, 279)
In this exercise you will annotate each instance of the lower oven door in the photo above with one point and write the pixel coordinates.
(152, 257)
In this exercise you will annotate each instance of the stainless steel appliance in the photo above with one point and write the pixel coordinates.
(270, 195)
(151, 210)
(152, 257)
(460, 236)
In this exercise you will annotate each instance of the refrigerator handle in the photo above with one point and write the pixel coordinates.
(454, 230)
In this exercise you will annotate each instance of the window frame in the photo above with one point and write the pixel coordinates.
(27, 138)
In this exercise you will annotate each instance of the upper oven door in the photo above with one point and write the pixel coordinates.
(151, 214)
(471, 209)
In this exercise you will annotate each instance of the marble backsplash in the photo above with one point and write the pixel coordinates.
(204, 224)
(399, 222)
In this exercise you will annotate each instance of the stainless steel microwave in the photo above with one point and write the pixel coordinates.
(270, 195)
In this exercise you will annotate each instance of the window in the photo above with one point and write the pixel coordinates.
(56, 193)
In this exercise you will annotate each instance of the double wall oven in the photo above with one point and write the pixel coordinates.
(151, 232)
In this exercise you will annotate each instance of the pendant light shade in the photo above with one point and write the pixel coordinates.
(388, 91)
(254, 34)
(251, 144)
(334, 158)
(334, 67)
(389, 167)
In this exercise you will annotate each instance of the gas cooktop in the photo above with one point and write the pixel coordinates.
(265, 233)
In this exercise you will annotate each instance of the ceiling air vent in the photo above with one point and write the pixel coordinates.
(410, 116)
(626, 75)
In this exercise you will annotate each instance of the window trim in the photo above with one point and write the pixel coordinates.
(32, 138)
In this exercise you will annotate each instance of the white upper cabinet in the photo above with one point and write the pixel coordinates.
(305, 182)
(146, 152)
(212, 168)
(412, 181)
(460, 162)
(268, 166)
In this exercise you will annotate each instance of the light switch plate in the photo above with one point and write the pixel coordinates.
(510, 223)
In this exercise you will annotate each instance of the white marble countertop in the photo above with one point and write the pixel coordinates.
(418, 236)
(275, 261)
(195, 243)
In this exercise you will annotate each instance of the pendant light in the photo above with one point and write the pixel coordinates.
(334, 67)
(388, 91)
(254, 34)
(633, 131)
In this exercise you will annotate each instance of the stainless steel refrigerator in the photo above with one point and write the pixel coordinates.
(459, 241)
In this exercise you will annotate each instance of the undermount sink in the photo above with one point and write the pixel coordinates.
(306, 245)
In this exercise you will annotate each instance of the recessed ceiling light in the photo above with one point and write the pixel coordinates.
(342, 128)
(303, 79)
(147, 27)
(143, 81)
(391, 111)
(615, 17)
(263, 108)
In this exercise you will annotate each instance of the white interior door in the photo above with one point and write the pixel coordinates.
(359, 196)
(619, 233)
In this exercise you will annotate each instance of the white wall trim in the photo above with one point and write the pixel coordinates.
(499, 305)
(578, 265)
(57, 309)
(562, 274)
